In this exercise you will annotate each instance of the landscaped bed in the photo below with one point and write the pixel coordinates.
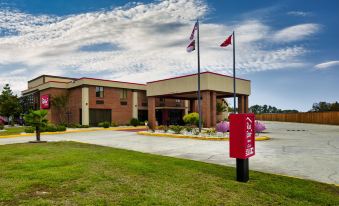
(203, 136)
(69, 173)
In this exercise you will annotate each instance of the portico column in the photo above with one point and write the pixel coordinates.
(186, 106)
(213, 109)
(206, 108)
(85, 106)
(135, 105)
(241, 104)
(151, 112)
(246, 104)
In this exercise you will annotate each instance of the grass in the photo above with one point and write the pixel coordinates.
(12, 131)
(69, 173)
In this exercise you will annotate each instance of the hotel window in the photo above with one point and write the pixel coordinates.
(99, 92)
(177, 102)
(123, 95)
(162, 102)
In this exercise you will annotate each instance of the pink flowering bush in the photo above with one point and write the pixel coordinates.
(223, 127)
(259, 127)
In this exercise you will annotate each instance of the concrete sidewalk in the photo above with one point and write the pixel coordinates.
(303, 150)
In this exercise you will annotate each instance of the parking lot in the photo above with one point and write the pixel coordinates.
(302, 150)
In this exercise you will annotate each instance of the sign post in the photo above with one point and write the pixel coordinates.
(242, 143)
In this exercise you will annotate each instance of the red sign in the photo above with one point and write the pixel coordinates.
(242, 136)
(44, 101)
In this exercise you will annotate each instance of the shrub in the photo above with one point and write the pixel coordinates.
(223, 127)
(104, 124)
(84, 126)
(74, 125)
(259, 127)
(48, 128)
(134, 122)
(176, 128)
(2, 126)
(60, 128)
(188, 128)
(210, 131)
(191, 119)
(29, 129)
(114, 124)
(163, 127)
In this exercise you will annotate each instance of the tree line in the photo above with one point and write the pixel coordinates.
(316, 107)
(268, 109)
(325, 107)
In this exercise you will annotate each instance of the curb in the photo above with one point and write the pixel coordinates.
(74, 131)
(260, 138)
(301, 178)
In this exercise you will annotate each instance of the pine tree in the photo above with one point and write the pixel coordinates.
(9, 103)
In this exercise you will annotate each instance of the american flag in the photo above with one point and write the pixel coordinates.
(191, 46)
(194, 29)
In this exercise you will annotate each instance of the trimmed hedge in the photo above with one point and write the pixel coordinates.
(104, 124)
(29, 130)
(134, 122)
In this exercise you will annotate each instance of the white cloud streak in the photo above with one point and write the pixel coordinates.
(148, 41)
(326, 65)
(295, 33)
(299, 13)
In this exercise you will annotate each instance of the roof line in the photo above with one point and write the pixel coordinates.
(45, 75)
(106, 80)
(188, 75)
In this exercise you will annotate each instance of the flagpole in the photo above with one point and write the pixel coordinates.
(199, 97)
(234, 84)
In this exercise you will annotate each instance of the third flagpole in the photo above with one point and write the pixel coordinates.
(199, 96)
(234, 84)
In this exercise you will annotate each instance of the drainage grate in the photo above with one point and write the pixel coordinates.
(296, 130)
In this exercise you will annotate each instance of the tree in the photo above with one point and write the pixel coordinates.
(256, 109)
(335, 106)
(60, 103)
(36, 119)
(324, 107)
(221, 108)
(321, 107)
(9, 103)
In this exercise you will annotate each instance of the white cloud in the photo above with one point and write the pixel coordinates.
(148, 42)
(297, 32)
(299, 13)
(326, 65)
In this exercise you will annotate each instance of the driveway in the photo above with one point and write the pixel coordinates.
(303, 150)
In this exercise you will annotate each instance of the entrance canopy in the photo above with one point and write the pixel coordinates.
(213, 86)
(185, 87)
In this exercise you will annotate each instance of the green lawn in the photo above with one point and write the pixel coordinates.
(68, 173)
(12, 131)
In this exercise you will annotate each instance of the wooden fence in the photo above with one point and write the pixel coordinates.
(307, 117)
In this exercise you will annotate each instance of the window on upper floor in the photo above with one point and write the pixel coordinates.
(99, 92)
(123, 95)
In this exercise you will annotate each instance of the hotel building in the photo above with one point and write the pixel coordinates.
(165, 101)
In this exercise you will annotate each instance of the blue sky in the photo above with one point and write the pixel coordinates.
(288, 49)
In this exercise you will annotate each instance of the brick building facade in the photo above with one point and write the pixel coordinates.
(91, 101)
